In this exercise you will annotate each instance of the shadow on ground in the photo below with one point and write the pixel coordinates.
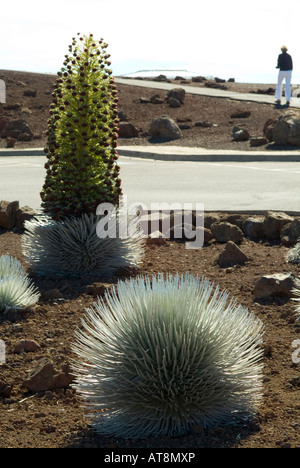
(220, 437)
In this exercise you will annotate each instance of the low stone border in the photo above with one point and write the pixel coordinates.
(12, 216)
(229, 229)
(225, 227)
(271, 226)
(218, 226)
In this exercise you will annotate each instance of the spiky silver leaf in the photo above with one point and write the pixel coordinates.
(293, 255)
(11, 266)
(16, 289)
(164, 354)
(296, 293)
(73, 248)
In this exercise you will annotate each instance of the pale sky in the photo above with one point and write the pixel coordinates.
(219, 38)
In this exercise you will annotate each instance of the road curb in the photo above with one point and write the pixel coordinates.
(209, 156)
(180, 154)
(23, 152)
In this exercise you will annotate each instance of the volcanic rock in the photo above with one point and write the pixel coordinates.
(274, 222)
(290, 233)
(45, 377)
(258, 141)
(268, 129)
(165, 128)
(160, 78)
(232, 255)
(30, 93)
(278, 284)
(127, 130)
(224, 232)
(29, 346)
(176, 93)
(156, 99)
(286, 131)
(253, 227)
(17, 129)
(12, 216)
(10, 142)
(8, 214)
(198, 79)
(240, 134)
(174, 102)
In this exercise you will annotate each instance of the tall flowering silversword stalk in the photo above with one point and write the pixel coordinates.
(81, 168)
(82, 171)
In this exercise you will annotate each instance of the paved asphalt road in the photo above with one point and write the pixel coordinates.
(225, 186)
(230, 186)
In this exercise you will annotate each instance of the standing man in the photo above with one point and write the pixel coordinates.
(285, 65)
